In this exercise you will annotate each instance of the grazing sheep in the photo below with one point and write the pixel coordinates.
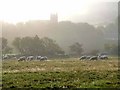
(88, 57)
(38, 57)
(22, 58)
(30, 57)
(93, 58)
(15, 58)
(83, 57)
(44, 58)
(5, 57)
(103, 57)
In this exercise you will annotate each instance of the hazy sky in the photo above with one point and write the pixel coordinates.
(23, 10)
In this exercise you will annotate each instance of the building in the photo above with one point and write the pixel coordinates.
(54, 18)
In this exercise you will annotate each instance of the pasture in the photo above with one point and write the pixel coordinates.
(60, 73)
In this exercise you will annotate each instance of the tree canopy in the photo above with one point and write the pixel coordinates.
(37, 46)
(5, 47)
(76, 48)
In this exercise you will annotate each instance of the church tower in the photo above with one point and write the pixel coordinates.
(54, 18)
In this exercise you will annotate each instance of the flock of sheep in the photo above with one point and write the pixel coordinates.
(41, 58)
(32, 58)
(26, 58)
(99, 57)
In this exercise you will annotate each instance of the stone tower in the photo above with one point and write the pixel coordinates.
(54, 18)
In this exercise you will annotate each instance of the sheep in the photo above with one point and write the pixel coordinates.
(22, 58)
(88, 57)
(5, 57)
(103, 57)
(44, 58)
(38, 57)
(82, 57)
(94, 58)
(30, 57)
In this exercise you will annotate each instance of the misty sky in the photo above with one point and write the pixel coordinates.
(93, 11)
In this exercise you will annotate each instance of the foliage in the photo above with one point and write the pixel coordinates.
(107, 47)
(64, 32)
(5, 48)
(76, 48)
(111, 48)
(94, 52)
(16, 43)
(37, 46)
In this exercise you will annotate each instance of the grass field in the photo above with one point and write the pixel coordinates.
(65, 73)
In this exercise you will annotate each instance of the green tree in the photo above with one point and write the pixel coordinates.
(76, 49)
(27, 45)
(37, 46)
(107, 47)
(5, 48)
(114, 49)
(111, 48)
(23, 45)
(4, 43)
(16, 43)
(94, 52)
(51, 47)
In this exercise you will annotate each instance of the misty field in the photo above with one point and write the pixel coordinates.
(61, 73)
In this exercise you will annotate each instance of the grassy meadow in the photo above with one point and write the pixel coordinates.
(61, 73)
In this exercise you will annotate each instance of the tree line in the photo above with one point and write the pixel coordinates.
(92, 39)
(47, 46)
(38, 46)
